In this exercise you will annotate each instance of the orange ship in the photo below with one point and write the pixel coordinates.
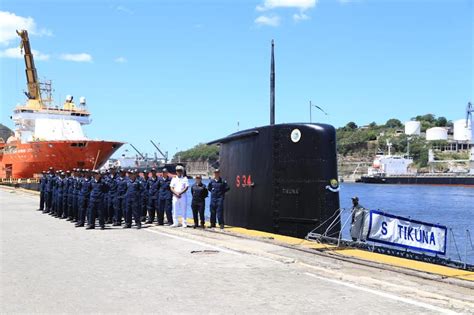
(49, 136)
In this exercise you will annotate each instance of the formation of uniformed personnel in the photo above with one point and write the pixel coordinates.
(218, 188)
(83, 196)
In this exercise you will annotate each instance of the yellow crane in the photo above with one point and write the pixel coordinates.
(33, 94)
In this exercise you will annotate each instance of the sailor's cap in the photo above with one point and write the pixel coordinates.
(217, 170)
(179, 168)
(153, 169)
(165, 170)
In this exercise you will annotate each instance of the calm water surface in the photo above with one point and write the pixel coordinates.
(451, 206)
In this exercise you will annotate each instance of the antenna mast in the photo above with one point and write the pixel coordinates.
(272, 86)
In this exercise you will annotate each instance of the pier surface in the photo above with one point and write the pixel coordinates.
(48, 266)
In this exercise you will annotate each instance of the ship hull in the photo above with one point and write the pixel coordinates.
(25, 160)
(419, 180)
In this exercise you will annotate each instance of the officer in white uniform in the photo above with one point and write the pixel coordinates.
(179, 186)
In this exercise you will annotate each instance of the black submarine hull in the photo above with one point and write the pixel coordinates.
(283, 178)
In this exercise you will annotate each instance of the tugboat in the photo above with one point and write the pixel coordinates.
(46, 135)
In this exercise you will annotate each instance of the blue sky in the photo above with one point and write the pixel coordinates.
(184, 72)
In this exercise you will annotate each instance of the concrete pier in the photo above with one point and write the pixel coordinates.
(48, 266)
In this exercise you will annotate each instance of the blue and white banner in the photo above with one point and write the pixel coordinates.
(403, 232)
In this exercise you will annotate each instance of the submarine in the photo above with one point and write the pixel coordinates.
(282, 177)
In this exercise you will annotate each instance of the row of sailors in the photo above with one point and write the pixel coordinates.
(83, 196)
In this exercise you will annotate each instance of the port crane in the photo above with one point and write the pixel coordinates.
(165, 155)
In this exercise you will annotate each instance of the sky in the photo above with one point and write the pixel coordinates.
(186, 72)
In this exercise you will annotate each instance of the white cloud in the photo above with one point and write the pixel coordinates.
(300, 17)
(123, 9)
(15, 52)
(120, 60)
(268, 20)
(298, 4)
(10, 22)
(82, 57)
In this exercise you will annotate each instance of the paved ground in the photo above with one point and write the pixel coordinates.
(48, 266)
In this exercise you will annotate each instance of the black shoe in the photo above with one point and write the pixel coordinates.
(102, 227)
(79, 224)
(45, 211)
(63, 217)
(221, 226)
(39, 209)
(109, 221)
(139, 226)
(127, 226)
(203, 226)
(69, 219)
(90, 227)
(116, 224)
(149, 222)
(212, 226)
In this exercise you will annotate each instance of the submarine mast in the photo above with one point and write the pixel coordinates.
(272, 87)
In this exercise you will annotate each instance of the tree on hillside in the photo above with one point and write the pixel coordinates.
(200, 152)
(441, 122)
(393, 123)
(351, 126)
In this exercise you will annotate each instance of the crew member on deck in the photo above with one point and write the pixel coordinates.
(199, 194)
(179, 186)
(218, 188)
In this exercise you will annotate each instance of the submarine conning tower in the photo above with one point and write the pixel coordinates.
(283, 178)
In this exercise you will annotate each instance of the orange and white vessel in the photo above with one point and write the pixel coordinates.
(49, 136)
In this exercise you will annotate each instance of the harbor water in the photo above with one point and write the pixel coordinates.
(451, 206)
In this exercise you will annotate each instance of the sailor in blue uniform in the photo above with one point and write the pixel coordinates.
(60, 194)
(144, 200)
(218, 188)
(112, 195)
(42, 185)
(152, 187)
(165, 197)
(97, 201)
(83, 200)
(49, 190)
(70, 193)
(119, 206)
(54, 207)
(133, 201)
(76, 190)
(199, 194)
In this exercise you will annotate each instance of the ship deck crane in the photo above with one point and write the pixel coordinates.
(33, 94)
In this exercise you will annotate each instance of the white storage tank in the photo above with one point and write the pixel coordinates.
(412, 128)
(461, 132)
(437, 133)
